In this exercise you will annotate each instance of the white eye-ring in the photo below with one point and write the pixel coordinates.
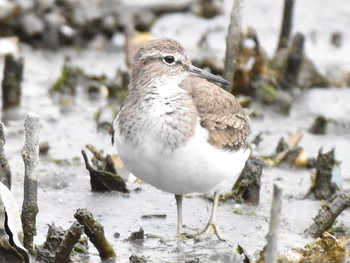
(169, 59)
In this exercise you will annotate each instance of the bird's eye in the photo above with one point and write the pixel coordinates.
(169, 59)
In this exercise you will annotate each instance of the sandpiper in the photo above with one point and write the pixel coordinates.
(177, 131)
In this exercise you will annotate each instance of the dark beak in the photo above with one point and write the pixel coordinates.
(204, 74)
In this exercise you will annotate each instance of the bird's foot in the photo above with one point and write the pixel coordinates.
(210, 228)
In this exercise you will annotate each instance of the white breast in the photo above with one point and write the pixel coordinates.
(196, 166)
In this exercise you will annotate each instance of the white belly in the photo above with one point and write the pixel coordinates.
(196, 166)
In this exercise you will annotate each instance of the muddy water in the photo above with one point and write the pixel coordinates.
(64, 182)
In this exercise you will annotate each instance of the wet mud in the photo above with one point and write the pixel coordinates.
(64, 182)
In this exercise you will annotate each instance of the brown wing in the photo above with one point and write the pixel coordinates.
(220, 113)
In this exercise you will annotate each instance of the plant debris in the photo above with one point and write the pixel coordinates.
(104, 180)
(137, 259)
(327, 179)
(137, 235)
(95, 231)
(72, 77)
(289, 152)
(55, 247)
(247, 187)
(328, 213)
(153, 216)
(326, 249)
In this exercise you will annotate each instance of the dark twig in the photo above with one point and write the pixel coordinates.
(30, 155)
(94, 230)
(5, 171)
(328, 213)
(72, 237)
(287, 24)
(294, 62)
(11, 83)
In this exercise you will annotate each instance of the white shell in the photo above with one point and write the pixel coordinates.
(8, 207)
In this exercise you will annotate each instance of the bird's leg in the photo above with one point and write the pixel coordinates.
(211, 227)
(180, 229)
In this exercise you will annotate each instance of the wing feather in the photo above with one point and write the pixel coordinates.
(220, 113)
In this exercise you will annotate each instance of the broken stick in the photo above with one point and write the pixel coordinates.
(94, 230)
(11, 83)
(328, 213)
(232, 42)
(270, 250)
(30, 155)
(287, 24)
(72, 237)
(294, 62)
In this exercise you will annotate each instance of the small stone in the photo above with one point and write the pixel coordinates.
(44, 147)
(337, 39)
